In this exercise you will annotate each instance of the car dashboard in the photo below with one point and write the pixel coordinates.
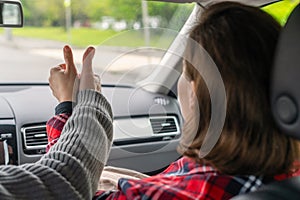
(146, 126)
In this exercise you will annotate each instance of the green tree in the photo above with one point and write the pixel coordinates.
(78, 8)
(43, 13)
(96, 9)
(126, 9)
(52, 12)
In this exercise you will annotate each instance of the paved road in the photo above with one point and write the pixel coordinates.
(18, 63)
(29, 60)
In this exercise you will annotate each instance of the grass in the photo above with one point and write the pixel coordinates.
(79, 37)
(82, 37)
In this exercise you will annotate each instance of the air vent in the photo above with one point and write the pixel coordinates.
(35, 137)
(164, 125)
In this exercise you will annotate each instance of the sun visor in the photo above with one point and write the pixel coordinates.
(208, 2)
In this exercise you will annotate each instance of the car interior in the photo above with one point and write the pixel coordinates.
(147, 118)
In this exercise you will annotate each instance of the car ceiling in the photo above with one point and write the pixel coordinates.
(207, 2)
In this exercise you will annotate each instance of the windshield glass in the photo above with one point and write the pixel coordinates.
(130, 36)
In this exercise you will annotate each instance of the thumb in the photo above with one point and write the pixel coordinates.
(87, 74)
(87, 61)
(68, 56)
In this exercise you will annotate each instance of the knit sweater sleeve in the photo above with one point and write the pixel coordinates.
(72, 167)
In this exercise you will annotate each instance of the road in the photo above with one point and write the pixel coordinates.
(29, 60)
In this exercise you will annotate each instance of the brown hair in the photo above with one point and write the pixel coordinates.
(241, 40)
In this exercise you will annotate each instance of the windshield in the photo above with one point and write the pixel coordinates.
(130, 36)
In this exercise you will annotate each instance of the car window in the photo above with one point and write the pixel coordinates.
(281, 10)
(130, 37)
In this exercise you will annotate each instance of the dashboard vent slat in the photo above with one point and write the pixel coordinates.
(164, 125)
(35, 137)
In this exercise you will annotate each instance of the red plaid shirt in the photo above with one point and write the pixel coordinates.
(183, 179)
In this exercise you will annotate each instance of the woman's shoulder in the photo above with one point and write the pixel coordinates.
(187, 179)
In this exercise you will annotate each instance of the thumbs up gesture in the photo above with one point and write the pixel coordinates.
(62, 77)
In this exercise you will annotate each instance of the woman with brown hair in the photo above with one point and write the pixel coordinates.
(250, 151)
(241, 40)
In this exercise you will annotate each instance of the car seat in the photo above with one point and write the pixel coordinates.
(285, 102)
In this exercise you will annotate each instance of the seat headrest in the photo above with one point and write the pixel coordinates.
(285, 85)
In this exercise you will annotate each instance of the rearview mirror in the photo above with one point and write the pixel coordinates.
(11, 13)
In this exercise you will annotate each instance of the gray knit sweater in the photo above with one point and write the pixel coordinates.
(72, 167)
